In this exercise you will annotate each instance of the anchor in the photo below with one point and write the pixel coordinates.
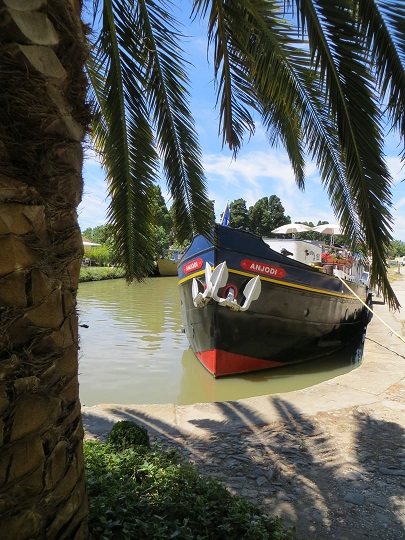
(215, 280)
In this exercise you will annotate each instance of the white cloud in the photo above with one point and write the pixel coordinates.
(258, 174)
(92, 210)
(396, 168)
(253, 175)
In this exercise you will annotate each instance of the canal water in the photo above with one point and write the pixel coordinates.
(132, 350)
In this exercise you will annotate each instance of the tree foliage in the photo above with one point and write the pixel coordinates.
(239, 217)
(160, 214)
(397, 249)
(102, 234)
(267, 214)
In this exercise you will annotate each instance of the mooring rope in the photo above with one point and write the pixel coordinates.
(369, 308)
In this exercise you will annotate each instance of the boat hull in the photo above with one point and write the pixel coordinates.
(167, 267)
(301, 313)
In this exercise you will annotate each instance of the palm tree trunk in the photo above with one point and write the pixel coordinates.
(43, 119)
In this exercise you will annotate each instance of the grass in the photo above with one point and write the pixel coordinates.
(98, 273)
(394, 275)
(146, 493)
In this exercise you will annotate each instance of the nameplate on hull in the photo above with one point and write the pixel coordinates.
(192, 266)
(263, 268)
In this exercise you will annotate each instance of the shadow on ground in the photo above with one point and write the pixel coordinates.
(335, 475)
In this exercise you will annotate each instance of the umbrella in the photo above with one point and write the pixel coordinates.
(291, 228)
(329, 228)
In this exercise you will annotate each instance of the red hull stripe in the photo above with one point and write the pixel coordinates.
(225, 363)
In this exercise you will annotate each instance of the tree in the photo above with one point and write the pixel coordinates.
(43, 121)
(321, 99)
(325, 78)
(239, 214)
(353, 61)
(162, 241)
(161, 215)
(162, 223)
(102, 234)
(397, 249)
(267, 214)
(276, 211)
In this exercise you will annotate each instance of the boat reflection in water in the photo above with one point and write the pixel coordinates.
(198, 385)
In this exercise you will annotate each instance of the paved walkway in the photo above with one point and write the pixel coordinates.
(330, 459)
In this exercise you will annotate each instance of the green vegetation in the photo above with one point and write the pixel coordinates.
(265, 215)
(95, 273)
(325, 81)
(144, 493)
(397, 249)
(127, 434)
(100, 254)
(102, 234)
(162, 227)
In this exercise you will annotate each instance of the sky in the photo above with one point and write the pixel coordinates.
(258, 171)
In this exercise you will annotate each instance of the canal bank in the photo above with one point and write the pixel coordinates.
(329, 459)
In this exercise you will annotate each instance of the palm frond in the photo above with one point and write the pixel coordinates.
(383, 25)
(234, 91)
(139, 85)
(167, 95)
(319, 95)
(347, 81)
(288, 90)
(123, 136)
(316, 77)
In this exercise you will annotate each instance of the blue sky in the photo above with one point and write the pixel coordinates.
(259, 170)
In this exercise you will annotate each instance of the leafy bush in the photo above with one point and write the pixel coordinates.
(144, 494)
(98, 273)
(127, 434)
(101, 254)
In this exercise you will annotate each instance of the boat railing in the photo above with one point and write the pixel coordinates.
(346, 268)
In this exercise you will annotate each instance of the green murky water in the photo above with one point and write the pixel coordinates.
(134, 351)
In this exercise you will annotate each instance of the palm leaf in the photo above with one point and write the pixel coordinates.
(259, 66)
(336, 45)
(234, 90)
(123, 137)
(167, 94)
(321, 96)
(139, 84)
(383, 25)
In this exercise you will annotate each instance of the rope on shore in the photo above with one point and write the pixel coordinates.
(369, 308)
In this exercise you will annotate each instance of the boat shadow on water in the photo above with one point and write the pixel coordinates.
(198, 385)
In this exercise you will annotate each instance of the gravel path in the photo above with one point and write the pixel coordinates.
(338, 475)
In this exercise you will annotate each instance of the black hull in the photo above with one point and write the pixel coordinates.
(301, 314)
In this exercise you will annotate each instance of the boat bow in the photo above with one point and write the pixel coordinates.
(217, 280)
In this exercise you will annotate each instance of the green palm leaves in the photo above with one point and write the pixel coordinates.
(141, 114)
(326, 78)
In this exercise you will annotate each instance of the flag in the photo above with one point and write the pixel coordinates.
(226, 216)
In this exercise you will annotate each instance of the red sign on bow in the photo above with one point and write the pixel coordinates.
(193, 266)
(263, 268)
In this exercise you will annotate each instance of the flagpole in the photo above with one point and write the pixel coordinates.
(225, 215)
